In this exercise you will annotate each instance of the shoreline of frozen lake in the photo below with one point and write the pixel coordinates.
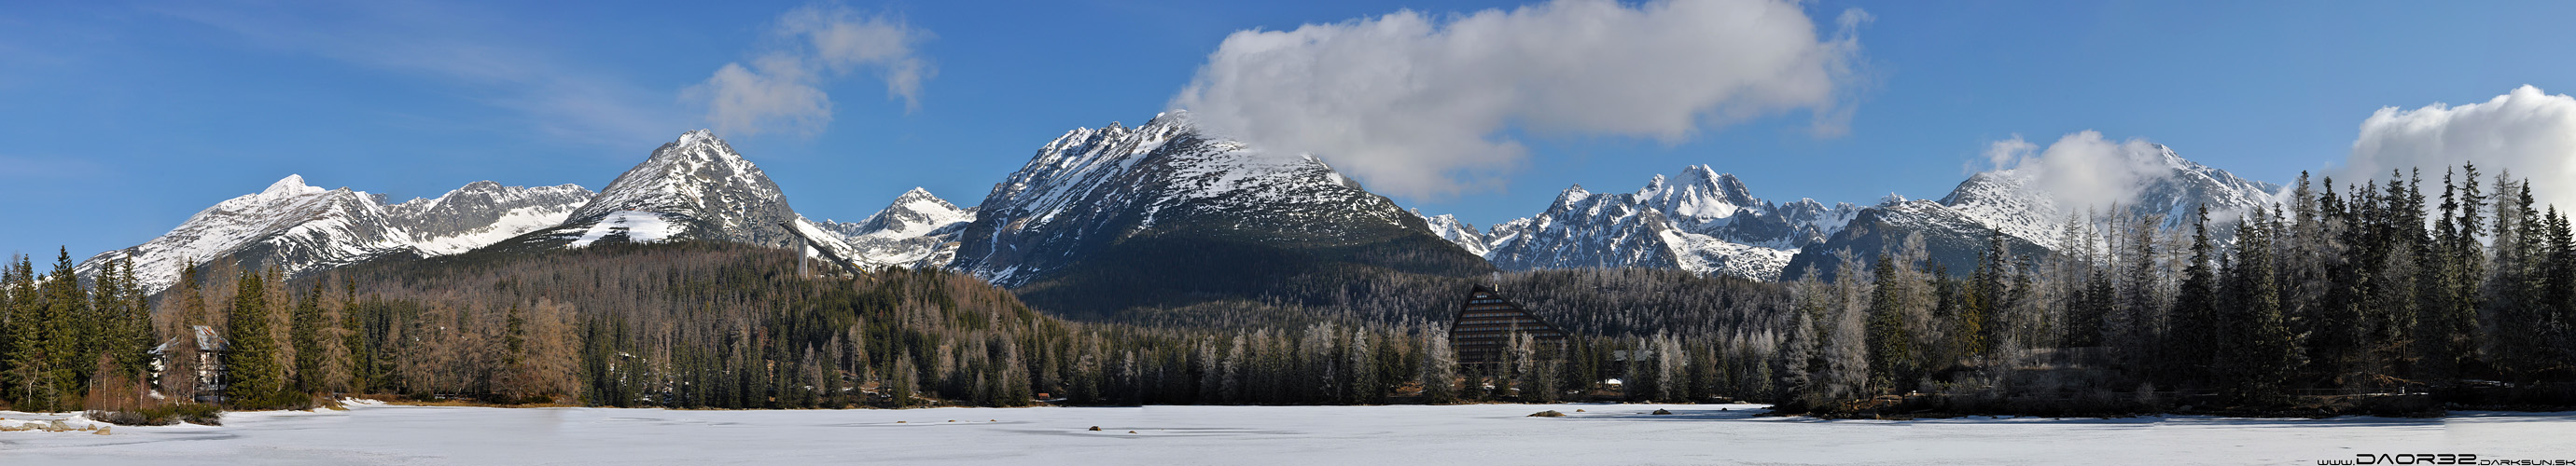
(1455, 434)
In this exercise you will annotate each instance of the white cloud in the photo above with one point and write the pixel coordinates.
(1418, 105)
(2527, 131)
(2083, 170)
(779, 90)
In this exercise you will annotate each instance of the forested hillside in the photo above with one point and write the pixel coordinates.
(702, 324)
(2366, 290)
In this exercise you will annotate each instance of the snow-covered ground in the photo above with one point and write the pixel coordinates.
(1466, 434)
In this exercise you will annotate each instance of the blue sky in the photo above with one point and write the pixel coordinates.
(122, 119)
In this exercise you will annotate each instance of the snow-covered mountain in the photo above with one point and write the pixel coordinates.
(1952, 238)
(1448, 227)
(301, 228)
(1166, 198)
(2015, 203)
(692, 188)
(1702, 221)
(917, 230)
(695, 187)
(482, 213)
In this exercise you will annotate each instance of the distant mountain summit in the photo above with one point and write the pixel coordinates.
(484, 212)
(918, 230)
(695, 187)
(2014, 203)
(1702, 221)
(1166, 214)
(301, 228)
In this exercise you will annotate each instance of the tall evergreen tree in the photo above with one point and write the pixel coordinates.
(21, 346)
(252, 377)
(2195, 311)
(1890, 345)
(2253, 340)
(304, 332)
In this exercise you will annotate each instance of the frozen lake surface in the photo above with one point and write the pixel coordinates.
(1464, 434)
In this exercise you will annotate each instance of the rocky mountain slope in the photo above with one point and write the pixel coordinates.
(1702, 221)
(917, 230)
(301, 228)
(1165, 214)
(2017, 205)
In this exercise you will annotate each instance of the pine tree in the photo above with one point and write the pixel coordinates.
(305, 333)
(252, 378)
(2254, 342)
(23, 356)
(1890, 345)
(2195, 311)
(52, 351)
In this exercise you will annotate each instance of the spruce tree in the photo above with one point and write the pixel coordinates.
(21, 354)
(2194, 339)
(304, 332)
(2254, 344)
(1890, 351)
(252, 378)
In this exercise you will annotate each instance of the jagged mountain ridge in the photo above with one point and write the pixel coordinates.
(2013, 203)
(301, 228)
(484, 212)
(1706, 222)
(918, 230)
(696, 187)
(1459, 232)
(1165, 213)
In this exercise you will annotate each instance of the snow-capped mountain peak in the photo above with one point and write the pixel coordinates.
(917, 230)
(1091, 187)
(485, 212)
(1458, 232)
(1700, 220)
(2020, 203)
(700, 188)
(291, 185)
(298, 227)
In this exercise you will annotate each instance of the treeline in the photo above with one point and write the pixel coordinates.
(730, 326)
(59, 339)
(2360, 289)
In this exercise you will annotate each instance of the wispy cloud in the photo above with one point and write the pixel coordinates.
(779, 91)
(460, 47)
(1419, 105)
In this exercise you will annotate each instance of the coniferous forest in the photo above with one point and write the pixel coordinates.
(2396, 296)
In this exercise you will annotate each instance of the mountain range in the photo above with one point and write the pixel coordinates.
(1161, 215)
(1702, 221)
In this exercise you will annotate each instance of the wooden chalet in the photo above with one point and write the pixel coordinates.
(1487, 322)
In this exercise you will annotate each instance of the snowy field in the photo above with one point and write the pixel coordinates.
(1326, 435)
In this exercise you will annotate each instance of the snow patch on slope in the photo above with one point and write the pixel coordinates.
(635, 226)
(298, 228)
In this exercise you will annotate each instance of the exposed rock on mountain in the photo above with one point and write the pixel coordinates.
(1707, 222)
(917, 230)
(1165, 215)
(300, 228)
